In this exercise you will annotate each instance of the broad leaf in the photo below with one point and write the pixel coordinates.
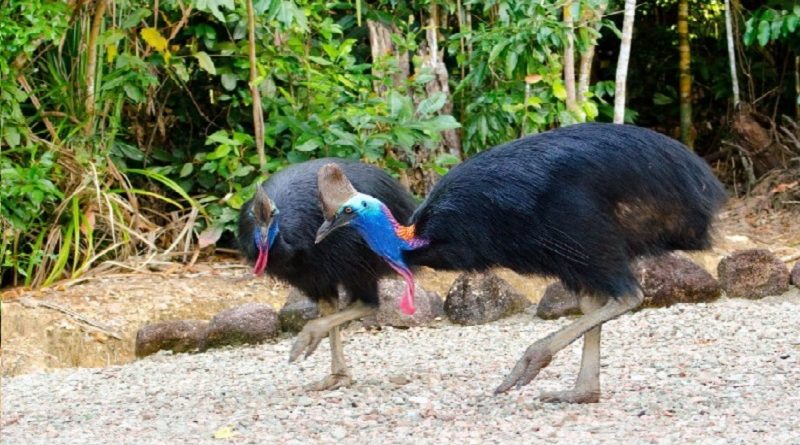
(205, 62)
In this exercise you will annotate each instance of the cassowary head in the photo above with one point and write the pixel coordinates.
(343, 206)
(266, 228)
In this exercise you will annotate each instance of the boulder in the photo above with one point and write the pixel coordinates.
(671, 278)
(297, 311)
(251, 323)
(478, 298)
(429, 306)
(753, 274)
(665, 280)
(795, 275)
(172, 335)
(557, 302)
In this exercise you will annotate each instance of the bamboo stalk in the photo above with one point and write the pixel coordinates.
(91, 67)
(685, 79)
(258, 113)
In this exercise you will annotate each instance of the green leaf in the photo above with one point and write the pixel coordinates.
(187, 169)
(442, 122)
(559, 91)
(221, 137)
(134, 93)
(791, 23)
(309, 145)
(447, 159)
(11, 135)
(220, 152)
(320, 60)
(764, 32)
(205, 62)
(511, 63)
(229, 81)
(590, 108)
(405, 137)
(662, 99)
(432, 104)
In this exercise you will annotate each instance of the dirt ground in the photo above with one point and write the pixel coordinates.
(93, 323)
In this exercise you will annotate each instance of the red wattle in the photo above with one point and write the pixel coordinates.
(407, 302)
(261, 262)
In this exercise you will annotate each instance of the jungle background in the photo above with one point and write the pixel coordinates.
(132, 131)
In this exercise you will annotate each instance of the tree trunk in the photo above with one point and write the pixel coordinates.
(569, 56)
(622, 62)
(685, 86)
(432, 60)
(590, 18)
(258, 112)
(381, 46)
(731, 52)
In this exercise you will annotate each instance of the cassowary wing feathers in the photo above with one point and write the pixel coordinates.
(317, 270)
(579, 203)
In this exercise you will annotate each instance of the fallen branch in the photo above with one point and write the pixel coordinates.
(32, 303)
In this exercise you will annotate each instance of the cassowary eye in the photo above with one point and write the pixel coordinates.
(363, 203)
(348, 210)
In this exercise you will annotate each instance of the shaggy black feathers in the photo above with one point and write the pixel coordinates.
(317, 270)
(579, 203)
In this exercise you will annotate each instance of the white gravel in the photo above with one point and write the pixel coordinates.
(725, 373)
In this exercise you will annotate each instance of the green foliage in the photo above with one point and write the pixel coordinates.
(526, 41)
(163, 148)
(769, 25)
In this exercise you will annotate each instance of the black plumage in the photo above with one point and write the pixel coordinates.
(580, 203)
(313, 268)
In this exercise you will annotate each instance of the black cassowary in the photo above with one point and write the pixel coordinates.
(579, 203)
(279, 224)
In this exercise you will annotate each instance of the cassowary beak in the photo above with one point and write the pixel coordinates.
(263, 252)
(329, 226)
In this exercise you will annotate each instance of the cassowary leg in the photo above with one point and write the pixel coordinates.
(340, 376)
(315, 330)
(539, 354)
(587, 387)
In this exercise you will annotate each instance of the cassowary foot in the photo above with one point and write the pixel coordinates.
(575, 395)
(534, 360)
(338, 380)
(308, 339)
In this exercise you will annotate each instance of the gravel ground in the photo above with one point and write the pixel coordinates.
(726, 372)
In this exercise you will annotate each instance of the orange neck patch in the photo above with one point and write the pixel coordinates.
(405, 232)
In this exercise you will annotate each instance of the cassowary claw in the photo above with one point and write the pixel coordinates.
(527, 368)
(341, 379)
(575, 395)
(308, 339)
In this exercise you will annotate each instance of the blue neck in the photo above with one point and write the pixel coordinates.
(379, 229)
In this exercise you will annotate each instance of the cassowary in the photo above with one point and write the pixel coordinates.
(579, 203)
(279, 224)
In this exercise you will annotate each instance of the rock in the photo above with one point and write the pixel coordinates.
(478, 298)
(247, 324)
(665, 280)
(297, 311)
(429, 305)
(795, 275)
(173, 335)
(557, 302)
(671, 278)
(753, 274)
